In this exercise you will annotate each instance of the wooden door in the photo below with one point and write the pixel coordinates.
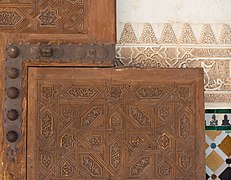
(105, 123)
(44, 33)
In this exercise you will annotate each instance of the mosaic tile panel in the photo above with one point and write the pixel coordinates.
(214, 161)
(225, 146)
(218, 118)
(218, 145)
(218, 155)
(213, 134)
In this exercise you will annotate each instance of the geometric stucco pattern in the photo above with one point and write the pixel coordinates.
(38, 15)
(174, 34)
(184, 47)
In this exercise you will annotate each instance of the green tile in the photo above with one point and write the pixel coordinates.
(218, 128)
(218, 111)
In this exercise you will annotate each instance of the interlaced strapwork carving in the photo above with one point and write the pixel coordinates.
(146, 134)
(47, 125)
(91, 166)
(139, 166)
(115, 155)
(9, 18)
(37, 16)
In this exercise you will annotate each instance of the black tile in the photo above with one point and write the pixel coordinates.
(207, 176)
(228, 161)
(226, 174)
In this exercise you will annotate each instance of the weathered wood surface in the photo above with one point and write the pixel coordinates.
(89, 123)
(84, 21)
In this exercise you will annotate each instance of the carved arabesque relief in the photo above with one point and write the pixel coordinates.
(36, 16)
(186, 34)
(181, 45)
(215, 62)
(132, 130)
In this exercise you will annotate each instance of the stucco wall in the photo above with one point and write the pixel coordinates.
(172, 11)
(179, 33)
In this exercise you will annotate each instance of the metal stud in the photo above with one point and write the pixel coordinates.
(12, 136)
(13, 73)
(58, 51)
(12, 114)
(12, 92)
(13, 51)
(80, 53)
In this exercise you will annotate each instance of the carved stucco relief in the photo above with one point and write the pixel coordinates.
(181, 46)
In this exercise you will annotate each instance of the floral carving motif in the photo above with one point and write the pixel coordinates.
(184, 92)
(185, 127)
(81, 92)
(139, 166)
(67, 111)
(115, 158)
(91, 166)
(168, 35)
(116, 92)
(150, 92)
(187, 35)
(165, 170)
(40, 16)
(128, 34)
(217, 76)
(207, 35)
(48, 17)
(185, 161)
(164, 141)
(116, 121)
(66, 169)
(8, 18)
(47, 92)
(95, 141)
(91, 116)
(46, 160)
(149, 52)
(99, 139)
(225, 37)
(148, 35)
(47, 125)
(140, 117)
(67, 141)
(136, 141)
(164, 112)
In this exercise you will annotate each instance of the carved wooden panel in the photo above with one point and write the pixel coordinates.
(115, 123)
(83, 20)
(67, 16)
